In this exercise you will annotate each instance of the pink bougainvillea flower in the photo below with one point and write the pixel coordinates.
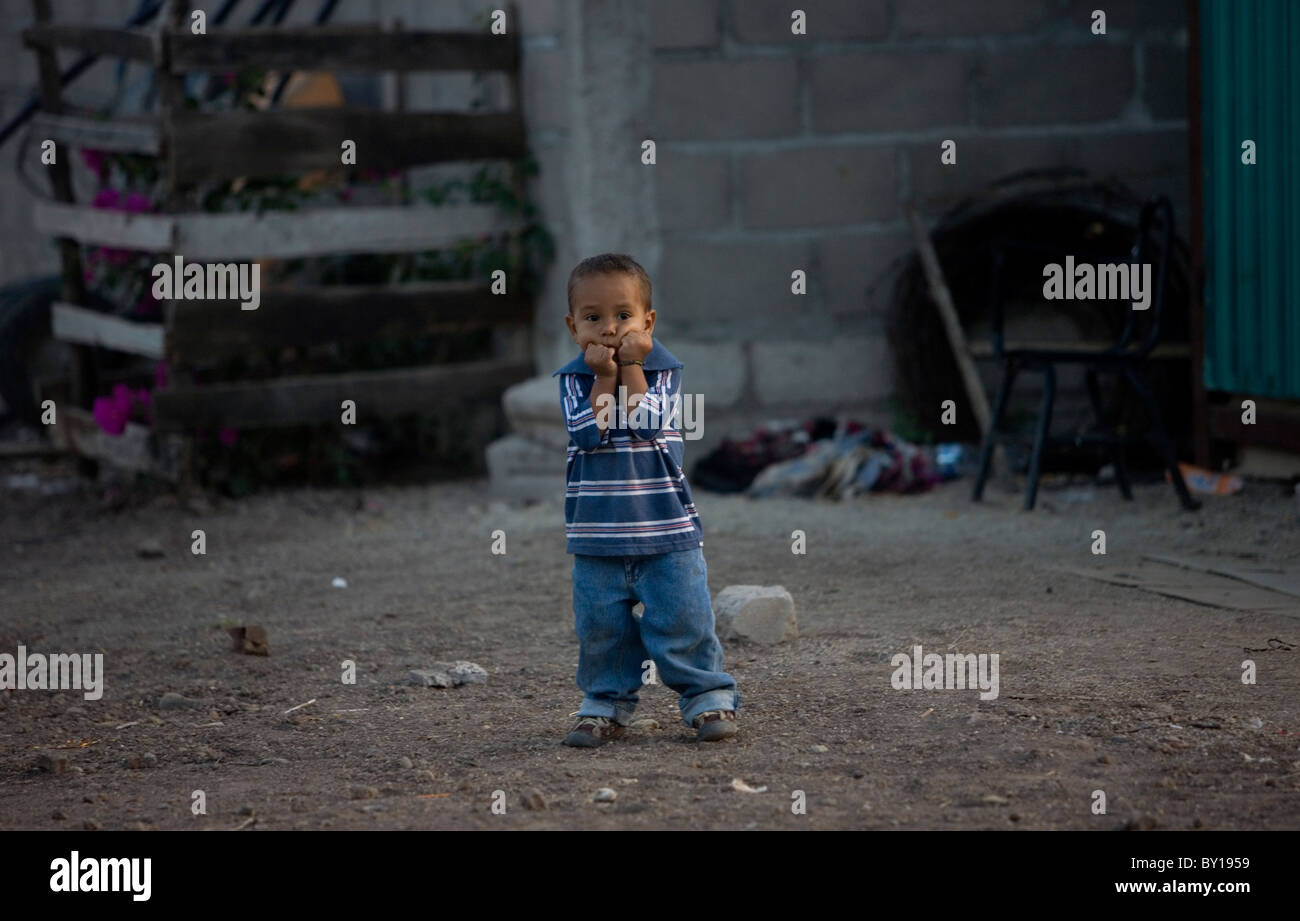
(106, 198)
(136, 202)
(228, 436)
(87, 275)
(118, 257)
(112, 412)
(94, 160)
(160, 375)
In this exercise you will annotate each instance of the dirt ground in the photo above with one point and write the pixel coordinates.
(1101, 687)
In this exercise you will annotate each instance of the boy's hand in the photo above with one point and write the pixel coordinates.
(600, 359)
(635, 345)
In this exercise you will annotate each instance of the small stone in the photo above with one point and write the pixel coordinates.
(606, 795)
(91, 825)
(251, 640)
(173, 701)
(534, 801)
(405, 763)
(1103, 759)
(52, 764)
(57, 815)
(819, 749)
(246, 810)
(364, 793)
(758, 613)
(645, 724)
(429, 678)
(447, 674)
(149, 548)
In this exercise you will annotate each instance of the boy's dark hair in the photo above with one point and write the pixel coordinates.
(610, 262)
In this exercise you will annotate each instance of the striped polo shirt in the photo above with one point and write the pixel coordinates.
(627, 494)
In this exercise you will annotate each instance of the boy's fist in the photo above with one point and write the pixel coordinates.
(635, 345)
(600, 359)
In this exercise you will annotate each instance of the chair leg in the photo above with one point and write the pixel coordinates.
(1106, 420)
(1163, 441)
(990, 437)
(1040, 435)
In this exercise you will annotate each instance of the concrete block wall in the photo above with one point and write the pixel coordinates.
(780, 152)
(775, 152)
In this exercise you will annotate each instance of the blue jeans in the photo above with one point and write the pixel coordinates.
(676, 631)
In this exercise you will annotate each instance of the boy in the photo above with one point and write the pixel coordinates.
(630, 522)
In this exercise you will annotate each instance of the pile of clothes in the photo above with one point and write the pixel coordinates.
(823, 458)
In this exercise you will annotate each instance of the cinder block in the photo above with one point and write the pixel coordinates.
(725, 99)
(943, 18)
(541, 17)
(841, 370)
(768, 22)
(878, 91)
(738, 290)
(979, 161)
(545, 80)
(1136, 154)
(532, 409)
(756, 613)
(857, 276)
(684, 24)
(691, 190)
(1164, 90)
(1092, 82)
(1130, 16)
(517, 456)
(818, 186)
(713, 374)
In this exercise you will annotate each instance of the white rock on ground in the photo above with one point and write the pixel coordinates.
(447, 674)
(757, 613)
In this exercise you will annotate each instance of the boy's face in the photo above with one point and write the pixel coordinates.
(606, 307)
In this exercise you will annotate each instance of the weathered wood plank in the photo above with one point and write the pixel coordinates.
(71, 323)
(148, 232)
(207, 330)
(319, 398)
(342, 47)
(277, 234)
(123, 135)
(134, 44)
(227, 145)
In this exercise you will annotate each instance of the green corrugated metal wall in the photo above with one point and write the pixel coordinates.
(1250, 71)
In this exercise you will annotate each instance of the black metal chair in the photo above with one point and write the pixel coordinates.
(1124, 358)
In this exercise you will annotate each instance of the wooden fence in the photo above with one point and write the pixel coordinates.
(196, 146)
